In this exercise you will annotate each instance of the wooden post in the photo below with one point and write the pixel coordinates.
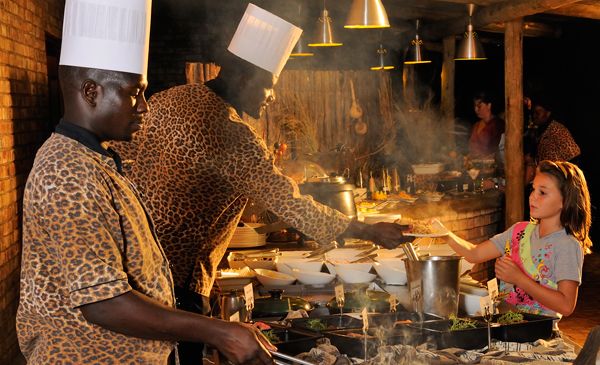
(513, 81)
(448, 76)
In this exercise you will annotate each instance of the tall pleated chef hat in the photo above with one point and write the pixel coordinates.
(107, 34)
(264, 39)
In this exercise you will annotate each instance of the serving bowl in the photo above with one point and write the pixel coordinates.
(390, 274)
(301, 264)
(351, 276)
(358, 266)
(273, 278)
(312, 278)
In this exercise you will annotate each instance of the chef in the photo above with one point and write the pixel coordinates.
(96, 287)
(197, 162)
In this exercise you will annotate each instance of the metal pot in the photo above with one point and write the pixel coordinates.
(232, 302)
(277, 305)
(334, 193)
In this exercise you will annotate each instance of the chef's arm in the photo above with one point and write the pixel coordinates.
(135, 314)
(388, 235)
(473, 253)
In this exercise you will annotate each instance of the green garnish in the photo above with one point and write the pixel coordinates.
(510, 317)
(315, 325)
(271, 336)
(461, 323)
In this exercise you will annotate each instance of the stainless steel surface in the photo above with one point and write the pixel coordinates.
(288, 358)
(322, 250)
(434, 284)
(339, 196)
(232, 302)
(409, 251)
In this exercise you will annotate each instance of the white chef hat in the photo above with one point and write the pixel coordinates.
(107, 34)
(264, 39)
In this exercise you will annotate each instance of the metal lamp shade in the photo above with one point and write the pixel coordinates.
(367, 14)
(381, 53)
(323, 33)
(470, 48)
(415, 53)
(301, 51)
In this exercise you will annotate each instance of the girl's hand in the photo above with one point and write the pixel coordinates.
(508, 271)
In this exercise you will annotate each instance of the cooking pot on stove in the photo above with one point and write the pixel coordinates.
(277, 305)
(333, 192)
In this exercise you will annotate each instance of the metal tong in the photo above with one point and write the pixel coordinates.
(278, 357)
(409, 251)
(323, 250)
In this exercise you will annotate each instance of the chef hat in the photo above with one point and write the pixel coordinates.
(264, 39)
(107, 34)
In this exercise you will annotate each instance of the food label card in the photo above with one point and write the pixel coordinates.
(393, 302)
(492, 286)
(235, 317)
(249, 296)
(485, 303)
(339, 293)
(365, 319)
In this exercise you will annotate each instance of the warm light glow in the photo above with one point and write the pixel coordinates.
(381, 68)
(367, 14)
(305, 54)
(325, 44)
(366, 26)
(415, 62)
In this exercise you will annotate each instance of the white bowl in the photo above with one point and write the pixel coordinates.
(293, 254)
(469, 303)
(390, 275)
(312, 278)
(350, 276)
(261, 263)
(339, 254)
(428, 168)
(273, 278)
(330, 267)
(358, 266)
(283, 267)
(385, 253)
(392, 262)
(302, 264)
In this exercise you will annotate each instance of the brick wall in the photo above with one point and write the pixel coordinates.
(24, 25)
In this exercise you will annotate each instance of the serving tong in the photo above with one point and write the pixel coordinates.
(280, 359)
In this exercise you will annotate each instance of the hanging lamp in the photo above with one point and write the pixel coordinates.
(324, 33)
(367, 14)
(470, 48)
(300, 50)
(381, 57)
(415, 51)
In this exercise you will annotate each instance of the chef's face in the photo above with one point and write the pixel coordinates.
(482, 109)
(259, 94)
(540, 114)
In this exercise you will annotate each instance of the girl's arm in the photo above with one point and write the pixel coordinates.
(473, 253)
(561, 300)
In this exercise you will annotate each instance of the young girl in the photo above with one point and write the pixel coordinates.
(539, 263)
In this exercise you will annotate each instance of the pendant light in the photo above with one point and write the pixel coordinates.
(381, 58)
(324, 34)
(415, 51)
(469, 48)
(299, 50)
(367, 14)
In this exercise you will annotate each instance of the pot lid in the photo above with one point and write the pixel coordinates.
(278, 304)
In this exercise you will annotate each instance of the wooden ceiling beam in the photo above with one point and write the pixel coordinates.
(500, 12)
(586, 10)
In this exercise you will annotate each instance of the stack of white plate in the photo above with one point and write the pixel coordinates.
(246, 236)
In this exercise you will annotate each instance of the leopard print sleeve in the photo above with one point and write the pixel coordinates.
(251, 169)
(557, 144)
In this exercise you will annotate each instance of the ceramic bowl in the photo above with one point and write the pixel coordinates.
(261, 263)
(342, 254)
(312, 278)
(392, 262)
(389, 274)
(351, 276)
(302, 264)
(273, 278)
(358, 266)
(469, 304)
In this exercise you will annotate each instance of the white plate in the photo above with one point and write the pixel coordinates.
(425, 234)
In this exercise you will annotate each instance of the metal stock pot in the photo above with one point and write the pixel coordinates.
(333, 192)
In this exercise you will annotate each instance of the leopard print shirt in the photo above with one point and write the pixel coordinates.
(86, 238)
(557, 144)
(197, 163)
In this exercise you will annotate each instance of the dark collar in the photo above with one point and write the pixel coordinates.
(88, 139)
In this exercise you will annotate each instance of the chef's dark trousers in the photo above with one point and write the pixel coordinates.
(190, 353)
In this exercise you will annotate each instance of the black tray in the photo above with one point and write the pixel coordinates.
(389, 319)
(438, 332)
(351, 341)
(333, 322)
(293, 342)
(534, 328)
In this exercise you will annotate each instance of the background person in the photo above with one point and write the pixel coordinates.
(486, 133)
(96, 287)
(539, 264)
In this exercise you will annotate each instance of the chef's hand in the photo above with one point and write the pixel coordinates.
(508, 271)
(245, 345)
(388, 235)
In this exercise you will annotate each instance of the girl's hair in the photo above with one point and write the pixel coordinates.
(576, 215)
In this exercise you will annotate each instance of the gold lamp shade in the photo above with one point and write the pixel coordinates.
(324, 34)
(300, 51)
(367, 14)
(381, 57)
(415, 51)
(469, 48)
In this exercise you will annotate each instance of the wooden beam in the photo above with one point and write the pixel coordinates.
(500, 12)
(586, 10)
(447, 94)
(513, 147)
